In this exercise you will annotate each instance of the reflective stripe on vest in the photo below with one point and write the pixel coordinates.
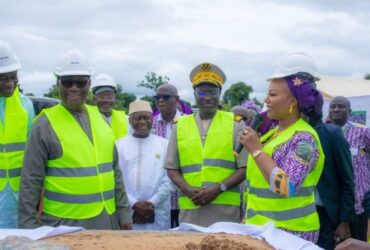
(12, 147)
(235, 189)
(79, 199)
(13, 136)
(220, 163)
(296, 213)
(15, 172)
(79, 172)
(80, 184)
(119, 123)
(203, 166)
(266, 192)
(208, 162)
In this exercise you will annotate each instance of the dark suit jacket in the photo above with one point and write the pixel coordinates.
(336, 187)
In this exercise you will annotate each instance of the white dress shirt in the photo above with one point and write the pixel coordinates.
(145, 179)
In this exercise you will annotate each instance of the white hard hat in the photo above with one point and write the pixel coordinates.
(103, 80)
(294, 63)
(73, 63)
(8, 60)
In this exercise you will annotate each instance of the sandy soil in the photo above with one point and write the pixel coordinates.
(157, 240)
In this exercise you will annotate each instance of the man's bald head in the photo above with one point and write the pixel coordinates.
(341, 99)
(339, 110)
(167, 89)
(166, 99)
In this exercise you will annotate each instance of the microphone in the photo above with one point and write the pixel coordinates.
(255, 124)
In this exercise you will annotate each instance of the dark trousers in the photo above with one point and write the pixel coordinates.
(175, 218)
(359, 228)
(327, 229)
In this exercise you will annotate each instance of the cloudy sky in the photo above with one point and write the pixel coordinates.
(128, 38)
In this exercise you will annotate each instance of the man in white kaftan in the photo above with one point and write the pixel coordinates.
(141, 156)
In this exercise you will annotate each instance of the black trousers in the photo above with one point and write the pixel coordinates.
(174, 218)
(359, 228)
(327, 230)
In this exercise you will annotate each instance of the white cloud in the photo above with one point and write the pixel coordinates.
(36, 82)
(129, 38)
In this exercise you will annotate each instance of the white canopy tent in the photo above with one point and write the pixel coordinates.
(357, 91)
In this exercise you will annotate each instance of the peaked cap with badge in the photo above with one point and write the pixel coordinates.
(207, 73)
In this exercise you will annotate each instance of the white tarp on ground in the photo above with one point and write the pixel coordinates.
(277, 238)
(360, 107)
(39, 233)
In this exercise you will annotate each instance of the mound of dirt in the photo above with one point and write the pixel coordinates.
(166, 240)
(223, 242)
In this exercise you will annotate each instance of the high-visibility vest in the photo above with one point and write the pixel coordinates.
(13, 137)
(80, 183)
(119, 123)
(296, 213)
(204, 166)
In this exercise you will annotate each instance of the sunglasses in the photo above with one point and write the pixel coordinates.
(163, 97)
(68, 82)
(13, 78)
(213, 93)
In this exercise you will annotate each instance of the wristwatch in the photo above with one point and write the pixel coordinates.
(223, 187)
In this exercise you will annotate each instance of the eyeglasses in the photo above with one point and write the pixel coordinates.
(213, 93)
(105, 97)
(68, 82)
(141, 117)
(12, 78)
(163, 97)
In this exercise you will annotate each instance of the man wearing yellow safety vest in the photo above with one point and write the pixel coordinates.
(104, 90)
(200, 159)
(16, 115)
(71, 155)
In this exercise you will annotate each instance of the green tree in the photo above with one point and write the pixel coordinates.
(257, 102)
(367, 76)
(123, 99)
(237, 93)
(226, 107)
(153, 81)
(149, 99)
(53, 92)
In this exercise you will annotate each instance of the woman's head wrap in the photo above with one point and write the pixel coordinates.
(309, 99)
(250, 105)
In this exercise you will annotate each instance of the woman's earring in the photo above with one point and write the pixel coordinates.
(290, 108)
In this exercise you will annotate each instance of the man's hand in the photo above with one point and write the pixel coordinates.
(342, 232)
(139, 219)
(143, 211)
(191, 191)
(144, 208)
(206, 195)
(353, 244)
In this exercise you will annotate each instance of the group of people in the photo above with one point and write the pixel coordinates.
(81, 165)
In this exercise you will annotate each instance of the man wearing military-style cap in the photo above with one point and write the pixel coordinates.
(200, 159)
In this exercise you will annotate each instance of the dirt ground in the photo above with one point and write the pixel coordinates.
(157, 240)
